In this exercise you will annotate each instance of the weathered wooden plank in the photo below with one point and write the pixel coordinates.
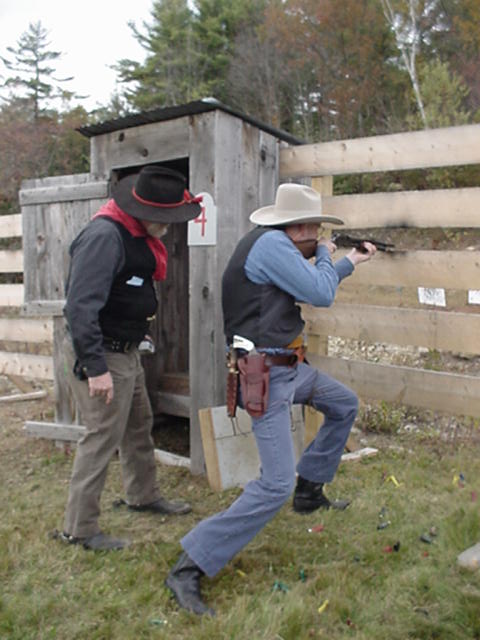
(171, 459)
(26, 365)
(66, 410)
(177, 383)
(452, 393)
(20, 397)
(360, 454)
(137, 146)
(268, 173)
(44, 308)
(11, 295)
(210, 449)
(447, 269)
(448, 146)
(26, 330)
(11, 226)
(48, 231)
(169, 334)
(203, 286)
(73, 433)
(318, 343)
(54, 431)
(11, 261)
(397, 296)
(442, 330)
(419, 209)
(24, 385)
(64, 193)
(55, 181)
(170, 403)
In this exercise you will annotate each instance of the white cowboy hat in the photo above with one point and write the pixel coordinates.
(294, 204)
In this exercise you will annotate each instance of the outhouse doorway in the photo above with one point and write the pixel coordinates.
(167, 370)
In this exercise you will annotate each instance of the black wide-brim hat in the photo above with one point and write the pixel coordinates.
(156, 194)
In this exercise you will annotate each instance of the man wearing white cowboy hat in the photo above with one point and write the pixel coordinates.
(268, 272)
(110, 300)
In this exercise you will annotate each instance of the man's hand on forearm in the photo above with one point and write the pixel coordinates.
(101, 386)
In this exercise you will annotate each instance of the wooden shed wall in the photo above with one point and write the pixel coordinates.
(233, 161)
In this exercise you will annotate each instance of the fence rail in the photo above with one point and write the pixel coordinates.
(17, 329)
(377, 303)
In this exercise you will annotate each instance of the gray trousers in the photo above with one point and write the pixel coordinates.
(124, 425)
(213, 542)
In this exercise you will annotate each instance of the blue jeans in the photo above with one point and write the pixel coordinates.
(216, 540)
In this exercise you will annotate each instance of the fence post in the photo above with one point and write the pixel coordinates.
(317, 344)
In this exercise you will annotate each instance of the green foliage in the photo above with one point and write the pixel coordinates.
(381, 418)
(444, 96)
(32, 148)
(319, 70)
(167, 75)
(188, 51)
(433, 360)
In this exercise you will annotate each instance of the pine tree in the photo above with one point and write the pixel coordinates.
(167, 76)
(34, 75)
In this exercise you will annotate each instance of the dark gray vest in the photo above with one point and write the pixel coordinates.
(124, 317)
(262, 313)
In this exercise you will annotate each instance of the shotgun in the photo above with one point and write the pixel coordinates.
(346, 241)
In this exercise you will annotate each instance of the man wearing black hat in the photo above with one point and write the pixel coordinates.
(110, 299)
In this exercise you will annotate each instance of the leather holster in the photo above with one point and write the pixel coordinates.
(254, 383)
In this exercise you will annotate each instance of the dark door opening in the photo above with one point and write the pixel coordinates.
(167, 371)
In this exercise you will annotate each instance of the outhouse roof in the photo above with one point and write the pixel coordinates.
(170, 113)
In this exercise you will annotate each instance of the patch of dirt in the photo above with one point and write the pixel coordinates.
(172, 434)
(416, 357)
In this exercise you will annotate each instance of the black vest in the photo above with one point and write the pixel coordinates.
(262, 313)
(132, 297)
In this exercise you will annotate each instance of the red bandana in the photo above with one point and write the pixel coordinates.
(136, 228)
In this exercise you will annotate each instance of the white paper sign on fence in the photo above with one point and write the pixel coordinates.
(474, 296)
(428, 295)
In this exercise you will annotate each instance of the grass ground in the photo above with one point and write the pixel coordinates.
(343, 582)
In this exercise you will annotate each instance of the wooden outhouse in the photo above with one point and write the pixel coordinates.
(230, 158)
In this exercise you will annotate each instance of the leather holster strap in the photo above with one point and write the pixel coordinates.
(281, 360)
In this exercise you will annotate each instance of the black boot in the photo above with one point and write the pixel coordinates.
(184, 582)
(163, 507)
(309, 496)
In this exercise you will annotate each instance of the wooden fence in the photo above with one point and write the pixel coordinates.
(379, 303)
(16, 331)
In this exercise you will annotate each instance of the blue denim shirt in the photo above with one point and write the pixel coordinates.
(274, 259)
